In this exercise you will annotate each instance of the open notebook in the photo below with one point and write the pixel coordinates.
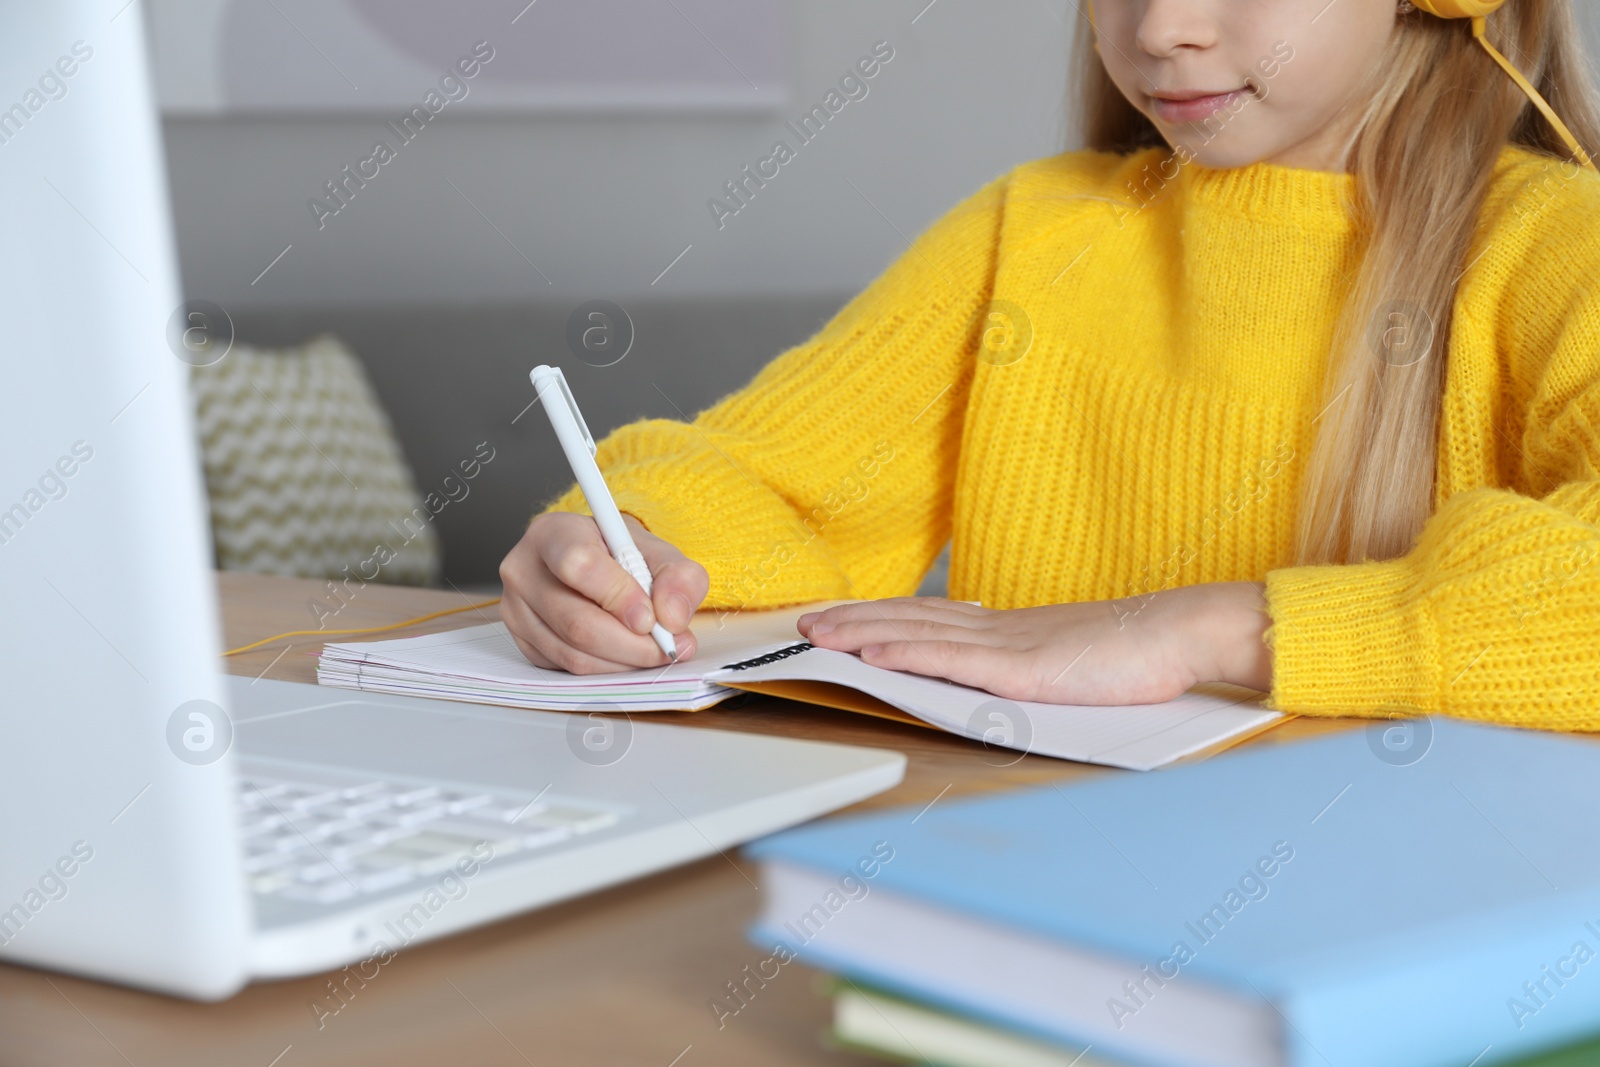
(762, 651)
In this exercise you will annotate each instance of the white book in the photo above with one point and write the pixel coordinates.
(763, 651)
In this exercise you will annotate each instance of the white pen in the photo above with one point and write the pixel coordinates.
(578, 444)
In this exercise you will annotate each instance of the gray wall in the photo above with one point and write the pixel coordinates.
(602, 204)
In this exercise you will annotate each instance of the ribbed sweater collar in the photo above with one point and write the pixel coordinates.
(1273, 192)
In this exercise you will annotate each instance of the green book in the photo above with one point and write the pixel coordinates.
(870, 1021)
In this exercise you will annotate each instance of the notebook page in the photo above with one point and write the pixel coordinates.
(488, 654)
(1138, 737)
(696, 696)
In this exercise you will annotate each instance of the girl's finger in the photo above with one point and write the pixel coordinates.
(894, 608)
(678, 583)
(679, 588)
(582, 625)
(532, 654)
(960, 607)
(575, 553)
(977, 666)
(556, 652)
(851, 636)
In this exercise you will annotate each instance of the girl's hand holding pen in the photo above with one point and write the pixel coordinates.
(570, 605)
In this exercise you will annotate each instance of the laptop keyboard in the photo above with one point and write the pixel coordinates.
(322, 842)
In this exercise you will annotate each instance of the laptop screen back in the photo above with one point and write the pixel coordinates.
(118, 856)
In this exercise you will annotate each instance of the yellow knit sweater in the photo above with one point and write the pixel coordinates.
(1095, 399)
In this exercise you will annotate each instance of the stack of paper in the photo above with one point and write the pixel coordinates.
(482, 664)
(762, 651)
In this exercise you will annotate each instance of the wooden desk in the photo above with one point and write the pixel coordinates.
(620, 977)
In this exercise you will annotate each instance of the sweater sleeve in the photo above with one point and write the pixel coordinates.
(1493, 614)
(831, 475)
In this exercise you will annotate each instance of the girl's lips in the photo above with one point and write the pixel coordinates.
(1196, 109)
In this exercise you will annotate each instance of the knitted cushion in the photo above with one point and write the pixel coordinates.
(303, 470)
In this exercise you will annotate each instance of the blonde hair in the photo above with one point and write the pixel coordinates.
(1433, 120)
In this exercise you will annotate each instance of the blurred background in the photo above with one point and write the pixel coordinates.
(385, 305)
(576, 164)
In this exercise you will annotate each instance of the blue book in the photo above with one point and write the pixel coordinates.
(1410, 894)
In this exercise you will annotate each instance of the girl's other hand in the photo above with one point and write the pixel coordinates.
(1141, 650)
(570, 606)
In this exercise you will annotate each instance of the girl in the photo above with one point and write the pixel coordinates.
(1290, 379)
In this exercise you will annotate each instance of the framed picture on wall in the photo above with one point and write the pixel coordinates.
(219, 57)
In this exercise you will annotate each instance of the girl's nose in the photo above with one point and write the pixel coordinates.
(1169, 25)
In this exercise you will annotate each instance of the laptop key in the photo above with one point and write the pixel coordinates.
(353, 843)
(288, 839)
(329, 893)
(317, 799)
(417, 796)
(324, 830)
(502, 811)
(368, 807)
(419, 816)
(456, 803)
(383, 859)
(437, 843)
(317, 872)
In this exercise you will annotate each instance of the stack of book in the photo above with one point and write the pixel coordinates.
(1342, 902)
(904, 1031)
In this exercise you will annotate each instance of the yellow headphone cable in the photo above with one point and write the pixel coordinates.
(363, 630)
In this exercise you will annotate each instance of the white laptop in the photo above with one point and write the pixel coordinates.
(167, 826)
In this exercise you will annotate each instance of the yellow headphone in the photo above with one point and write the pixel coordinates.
(1459, 9)
(1476, 10)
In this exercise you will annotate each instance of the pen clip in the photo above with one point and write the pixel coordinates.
(572, 403)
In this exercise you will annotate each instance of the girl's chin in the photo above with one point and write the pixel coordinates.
(1225, 153)
(1196, 150)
